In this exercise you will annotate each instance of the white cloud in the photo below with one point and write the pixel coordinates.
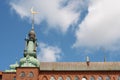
(52, 11)
(101, 26)
(49, 53)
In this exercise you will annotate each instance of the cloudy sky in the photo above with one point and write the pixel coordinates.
(67, 30)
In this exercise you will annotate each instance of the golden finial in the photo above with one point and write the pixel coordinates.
(33, 13)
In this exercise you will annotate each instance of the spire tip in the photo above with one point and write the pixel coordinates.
(32, 27)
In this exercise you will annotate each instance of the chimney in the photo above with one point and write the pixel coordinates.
(87, 61)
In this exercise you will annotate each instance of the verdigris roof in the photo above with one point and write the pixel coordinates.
(80, 66)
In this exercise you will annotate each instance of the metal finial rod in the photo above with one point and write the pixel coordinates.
(32, 21)
(33, 12)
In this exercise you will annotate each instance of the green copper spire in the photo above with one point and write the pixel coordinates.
(30, 59)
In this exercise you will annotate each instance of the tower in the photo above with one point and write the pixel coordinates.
(29, 65)
(30, 56)
(30, 59)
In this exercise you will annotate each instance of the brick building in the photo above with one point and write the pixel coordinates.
(29, 68)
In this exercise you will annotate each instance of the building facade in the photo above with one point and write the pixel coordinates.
(29, 68)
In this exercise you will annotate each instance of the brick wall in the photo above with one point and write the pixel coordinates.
(8, 75)
(46, 75)
(30, 73)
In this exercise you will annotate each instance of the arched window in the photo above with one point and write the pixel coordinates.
(92, 78)
(44, 78)
(60, 78)
(118, 77)
(107, 78)
(84, 78)
(68, 78)
(100, 78)
(31, 74)
(22, 74)
(52, 78)
(76, 78)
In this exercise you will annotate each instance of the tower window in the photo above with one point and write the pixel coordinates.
(68, 78)
(52, 78)
(84, 78)
(22, 74)
(60, 78)
(92, 78)
(107, 78)
(100, 78)
(31, 74)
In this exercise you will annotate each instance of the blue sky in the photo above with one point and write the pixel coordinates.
(67, 30)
